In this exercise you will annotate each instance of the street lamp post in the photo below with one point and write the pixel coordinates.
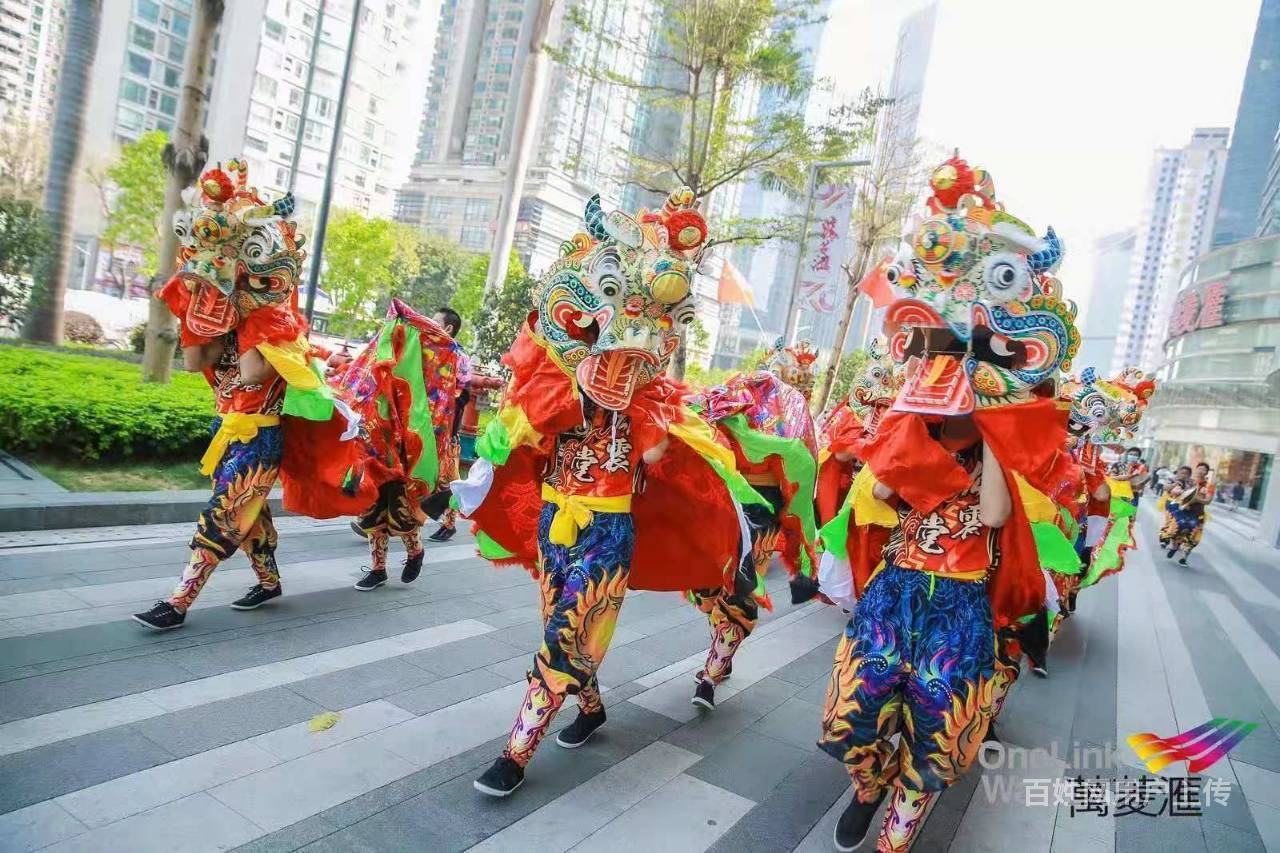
(793, 305)
(322, 215)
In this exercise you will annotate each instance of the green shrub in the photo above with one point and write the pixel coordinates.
(83, 407)
(138, 338)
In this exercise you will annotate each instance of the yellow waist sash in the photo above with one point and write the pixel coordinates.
(236, 426)
(574, 512)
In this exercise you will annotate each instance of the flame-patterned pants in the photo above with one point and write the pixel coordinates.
(582, 590)
(732, 610)
(237, 515)
(918, 658)
(392, 514)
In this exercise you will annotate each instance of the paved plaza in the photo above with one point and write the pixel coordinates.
(113, 738)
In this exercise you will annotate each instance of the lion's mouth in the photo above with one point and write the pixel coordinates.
(612, 377)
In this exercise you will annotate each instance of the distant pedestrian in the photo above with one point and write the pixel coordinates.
(1184, 511)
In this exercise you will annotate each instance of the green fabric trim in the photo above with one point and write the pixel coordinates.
(738, 487)
(798, 466)
(489, 548)
(495, 444)
(833, 538)
(313, 404)
(1107, 555)
(409, 368)
(1056, 552)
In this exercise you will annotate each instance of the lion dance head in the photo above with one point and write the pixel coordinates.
(615, 305)
(975, 309)
(795, 365)
(236, 251)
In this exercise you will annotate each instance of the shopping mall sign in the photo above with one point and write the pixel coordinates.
(1198, 308)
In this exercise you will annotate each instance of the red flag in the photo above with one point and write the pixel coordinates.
(733, 289)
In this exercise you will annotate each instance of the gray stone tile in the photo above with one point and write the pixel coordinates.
(677, 642)
(463, 655)
(814, 664)
(795, 722)
(784, 818)
(1221, 838)
(217, 723)
(41, 694)
(626, 663)
(815, 692)
(441, 692)
(349, 687)
(732, 716)
(513, 668)
(750, 766)
(1161, 835)
(37, 826)
(51, 771)
(202, 823)
(526, 636)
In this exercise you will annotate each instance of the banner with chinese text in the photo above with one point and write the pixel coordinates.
(826, 247)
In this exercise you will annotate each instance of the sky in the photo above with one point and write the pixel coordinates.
(1062, 102)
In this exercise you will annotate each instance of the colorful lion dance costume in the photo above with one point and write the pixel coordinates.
(981, 325)
(764, 417)
(595, 474)
(235, 292)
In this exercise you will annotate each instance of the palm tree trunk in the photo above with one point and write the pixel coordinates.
(184, 157)
(45, 320)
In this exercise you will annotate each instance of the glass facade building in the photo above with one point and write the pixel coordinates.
(1218, 394)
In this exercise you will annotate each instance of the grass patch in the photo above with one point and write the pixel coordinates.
(122, 476)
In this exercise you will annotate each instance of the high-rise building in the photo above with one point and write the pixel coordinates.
(1269, 210)
(1113, 256)
(583, 133)
(1252, 140)
(771, 269)
(259, 80)
(1177, 222)
(31, 36)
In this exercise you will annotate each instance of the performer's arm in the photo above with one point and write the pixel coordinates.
(994, 503)
(200, 357)
(655, 453)
(255, 369)
(881, 492)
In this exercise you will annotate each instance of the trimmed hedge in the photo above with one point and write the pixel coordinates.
(83, 407)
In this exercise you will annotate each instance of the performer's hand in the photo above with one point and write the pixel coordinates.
(655, 453)
(202, 356)
(843, 456)
(255, 369)
(881, 492)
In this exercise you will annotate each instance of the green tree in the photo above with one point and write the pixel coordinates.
(711, 54)
(850, 367)
(24, 240)
(363, 258)
(131, 190)
(490, 323)
(439, 267)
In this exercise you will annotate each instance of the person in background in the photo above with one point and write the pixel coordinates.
(452, 323)
(1236, 493)
(1134, 471)
(1184, 511)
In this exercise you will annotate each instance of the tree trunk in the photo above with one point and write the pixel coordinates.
(856, 274)
(184, 157)
(522, 141)
(45, 320)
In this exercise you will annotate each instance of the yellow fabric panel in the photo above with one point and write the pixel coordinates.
(291, 362)
(867, 508)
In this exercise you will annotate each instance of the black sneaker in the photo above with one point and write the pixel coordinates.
(358, 530)
(163, 617)
(500, 780)
(1182, 561)
(412, 568)
(256, 597)
(1040, 669)
(1169, 554)
(803, 588)
(705, 695)
(852, 827)
(443, 534)
(580, 730)
(371, 581)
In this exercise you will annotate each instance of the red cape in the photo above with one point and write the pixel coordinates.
(687, 528)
